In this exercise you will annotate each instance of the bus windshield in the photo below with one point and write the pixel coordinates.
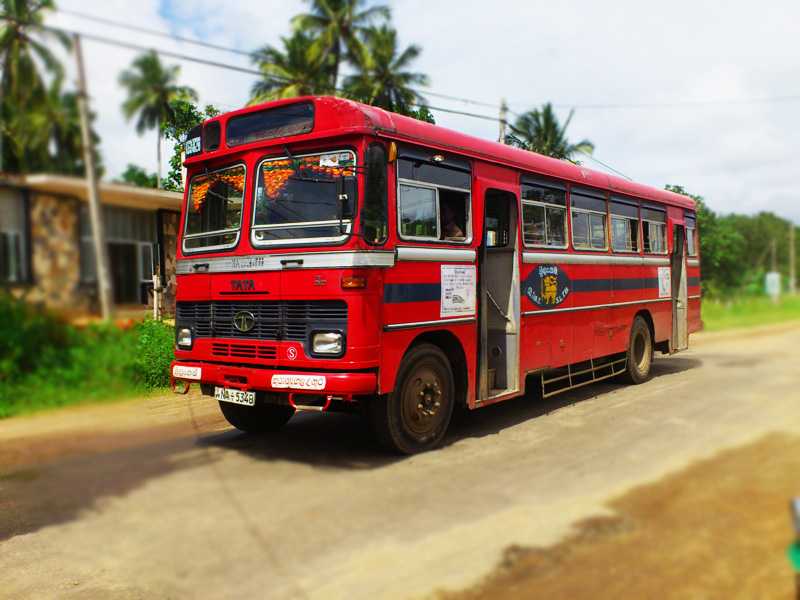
(296, 199)
(214, 209)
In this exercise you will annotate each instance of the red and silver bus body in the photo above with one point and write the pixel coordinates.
(333, 253)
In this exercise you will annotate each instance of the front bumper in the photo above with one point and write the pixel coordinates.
(345, 385)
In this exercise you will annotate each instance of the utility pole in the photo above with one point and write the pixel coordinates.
(792, 260)
(95, 214)
(503, 121)
(774, 255)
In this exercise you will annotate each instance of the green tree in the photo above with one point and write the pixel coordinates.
(539, 130)
(151, 87)
(136, 175)
(23, 90)
(336, 25)
(296, 70)
(725, 265)
(63, 126)
(383, 77)
(185, 116)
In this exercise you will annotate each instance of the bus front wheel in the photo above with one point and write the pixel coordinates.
(415, 416)
(640, 353)
(260, 418)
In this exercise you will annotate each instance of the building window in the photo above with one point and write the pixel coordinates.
(624, 226)
(13, 237)
(130, 238)
(544, 216)
(589, 230)
(654, 230)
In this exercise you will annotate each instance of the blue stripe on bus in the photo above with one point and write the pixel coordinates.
(608, 285)
(411, 292)
(694, 281)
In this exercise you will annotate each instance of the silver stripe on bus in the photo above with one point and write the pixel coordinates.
(693, 262)
(695, 297)
(592, 259)
(394, 326)
(280, 262)
(547, 311)
(423, 254)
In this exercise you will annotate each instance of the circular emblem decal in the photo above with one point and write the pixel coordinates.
(291, 353)
(244, 321)
(546, 286)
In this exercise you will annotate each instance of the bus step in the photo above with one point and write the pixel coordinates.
(556, 381)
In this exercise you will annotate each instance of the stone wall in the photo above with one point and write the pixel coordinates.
(170, 222)
(55, 255)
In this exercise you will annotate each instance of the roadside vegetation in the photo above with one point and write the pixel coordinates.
(46, 362)
(749, 311)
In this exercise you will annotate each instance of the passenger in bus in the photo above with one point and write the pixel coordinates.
(452, 225)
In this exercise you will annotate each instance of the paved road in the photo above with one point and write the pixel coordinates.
(159, 498)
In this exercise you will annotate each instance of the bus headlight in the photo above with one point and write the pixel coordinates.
(184, 338)
(326, 342)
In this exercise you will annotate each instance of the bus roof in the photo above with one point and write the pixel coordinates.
(333, 114)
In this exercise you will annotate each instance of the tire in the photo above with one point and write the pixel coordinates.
(415, 416)
(260, 418)
(640, 353)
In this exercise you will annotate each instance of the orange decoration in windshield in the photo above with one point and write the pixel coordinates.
(202, 183)
(276, 173)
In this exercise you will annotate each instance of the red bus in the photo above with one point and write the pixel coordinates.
(335, 256)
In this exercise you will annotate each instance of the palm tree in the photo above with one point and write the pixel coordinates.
(151, 86)
(294, 71)
(382, 76)
(337, 25)
(539, 131)
(22, 88)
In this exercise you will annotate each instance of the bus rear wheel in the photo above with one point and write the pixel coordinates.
(415, 416)
(260, 418)
(640, 353)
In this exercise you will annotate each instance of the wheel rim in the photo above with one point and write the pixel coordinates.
(641, 356)
(424, 399)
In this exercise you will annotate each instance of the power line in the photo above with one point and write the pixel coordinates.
(155, 32)
(221, 65)
(559, 105)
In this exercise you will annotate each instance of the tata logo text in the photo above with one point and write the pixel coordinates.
(243, 285)
(244, 321)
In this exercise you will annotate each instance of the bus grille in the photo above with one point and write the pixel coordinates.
(274, 320)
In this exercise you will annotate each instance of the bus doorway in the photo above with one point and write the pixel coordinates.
(680, 299)
(499, 297)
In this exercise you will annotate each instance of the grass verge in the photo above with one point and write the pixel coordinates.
(46, 362)
(749, 312)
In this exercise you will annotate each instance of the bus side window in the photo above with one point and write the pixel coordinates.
(589, 231)
(654, 230)
(624, 226)
(691, 234)
(544, 215)
(453, 206)
(374, 221)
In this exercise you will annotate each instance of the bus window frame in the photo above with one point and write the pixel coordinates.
(638, 219)
(662, 209)
(318, 241)
(238, 230)
(589, 211)
(424, 184)
(545, 205)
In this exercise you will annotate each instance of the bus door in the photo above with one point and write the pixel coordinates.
(680, 299)
(500, 298)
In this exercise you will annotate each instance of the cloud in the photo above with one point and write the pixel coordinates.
(740, 156)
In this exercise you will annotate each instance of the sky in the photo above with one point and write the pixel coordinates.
(699, 93)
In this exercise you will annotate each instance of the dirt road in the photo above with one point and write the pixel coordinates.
(159, 498)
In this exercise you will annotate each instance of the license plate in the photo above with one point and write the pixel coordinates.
(235, 396)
